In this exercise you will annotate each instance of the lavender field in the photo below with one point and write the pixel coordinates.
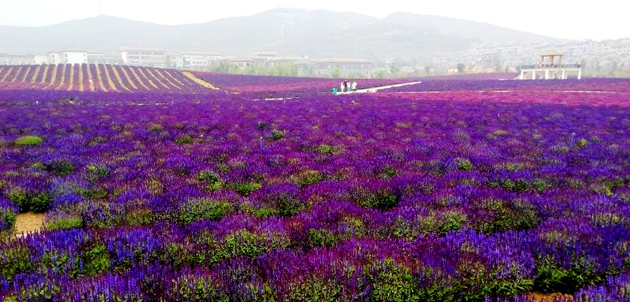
(441, 194)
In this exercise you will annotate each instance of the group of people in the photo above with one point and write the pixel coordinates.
(347, 86)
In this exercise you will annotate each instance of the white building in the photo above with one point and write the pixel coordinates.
(343, 67)
(40, 59)
(111, 58)
(198, 61)
(6, 59)
(67, 57)
(54, 58)
(143, 57)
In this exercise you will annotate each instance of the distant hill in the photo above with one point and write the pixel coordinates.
(315, 33)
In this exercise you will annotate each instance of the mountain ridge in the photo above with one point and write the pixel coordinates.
(316, 33)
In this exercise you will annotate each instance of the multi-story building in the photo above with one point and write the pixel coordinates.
(197, 61)
(6, 59)
(110, 57)
(54, 58)
(343, 68)
(40, 59)
(144, 57)
(67, 57)
(241, 62)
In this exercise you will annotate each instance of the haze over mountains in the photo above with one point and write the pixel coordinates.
(315, 33)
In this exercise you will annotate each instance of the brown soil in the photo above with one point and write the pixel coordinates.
(28, 223)
(555, 297)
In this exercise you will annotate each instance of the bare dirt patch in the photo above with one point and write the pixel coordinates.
(555, 297)
(28, 223)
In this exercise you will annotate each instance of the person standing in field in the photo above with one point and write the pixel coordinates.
(341, 86)
(354, 85)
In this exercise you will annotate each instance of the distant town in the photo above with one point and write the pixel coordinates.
(609, 58)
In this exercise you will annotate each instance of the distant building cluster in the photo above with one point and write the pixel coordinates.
(197, 61)
(484, 57)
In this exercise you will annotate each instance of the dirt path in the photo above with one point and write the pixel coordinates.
(28, 223)
(555, 297)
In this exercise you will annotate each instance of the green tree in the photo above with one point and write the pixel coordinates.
(309, 71)
(379, 74)
(395, 70)
(336, 73)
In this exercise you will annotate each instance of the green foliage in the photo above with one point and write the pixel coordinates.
(387, 172)
(203, 208)
(552, 278)
(451, 221)
(260, 212)
(30, 201)
(503, 216)
(540, 185)
(155, 128)
(29, 140)
(245, 243)
(463, 164)
(95, 193)
(608, 186)
(156, 186)
(245, 189)
(7, 218)
(352, 228)
(286, 204)
(381, 199)
(607, 220)
(196, 288)
(141, 216)
(277, 134)
(60, 167)
(325, 149)
(63, 222)
(14, 260)
(336, 73)
(508, 288)
(392, 282)
(223, 168)
(581, 143)
(96, 140)
(94, 173)
(102, 215)
(315, 289)
(320, 238)
(19, 197)
(307, 178)
(39, 292)
(184, 139)
(404, 229)
(96, 260)
(521, 185)
(211, 180)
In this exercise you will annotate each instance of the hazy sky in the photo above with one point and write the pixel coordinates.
(597, 20)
